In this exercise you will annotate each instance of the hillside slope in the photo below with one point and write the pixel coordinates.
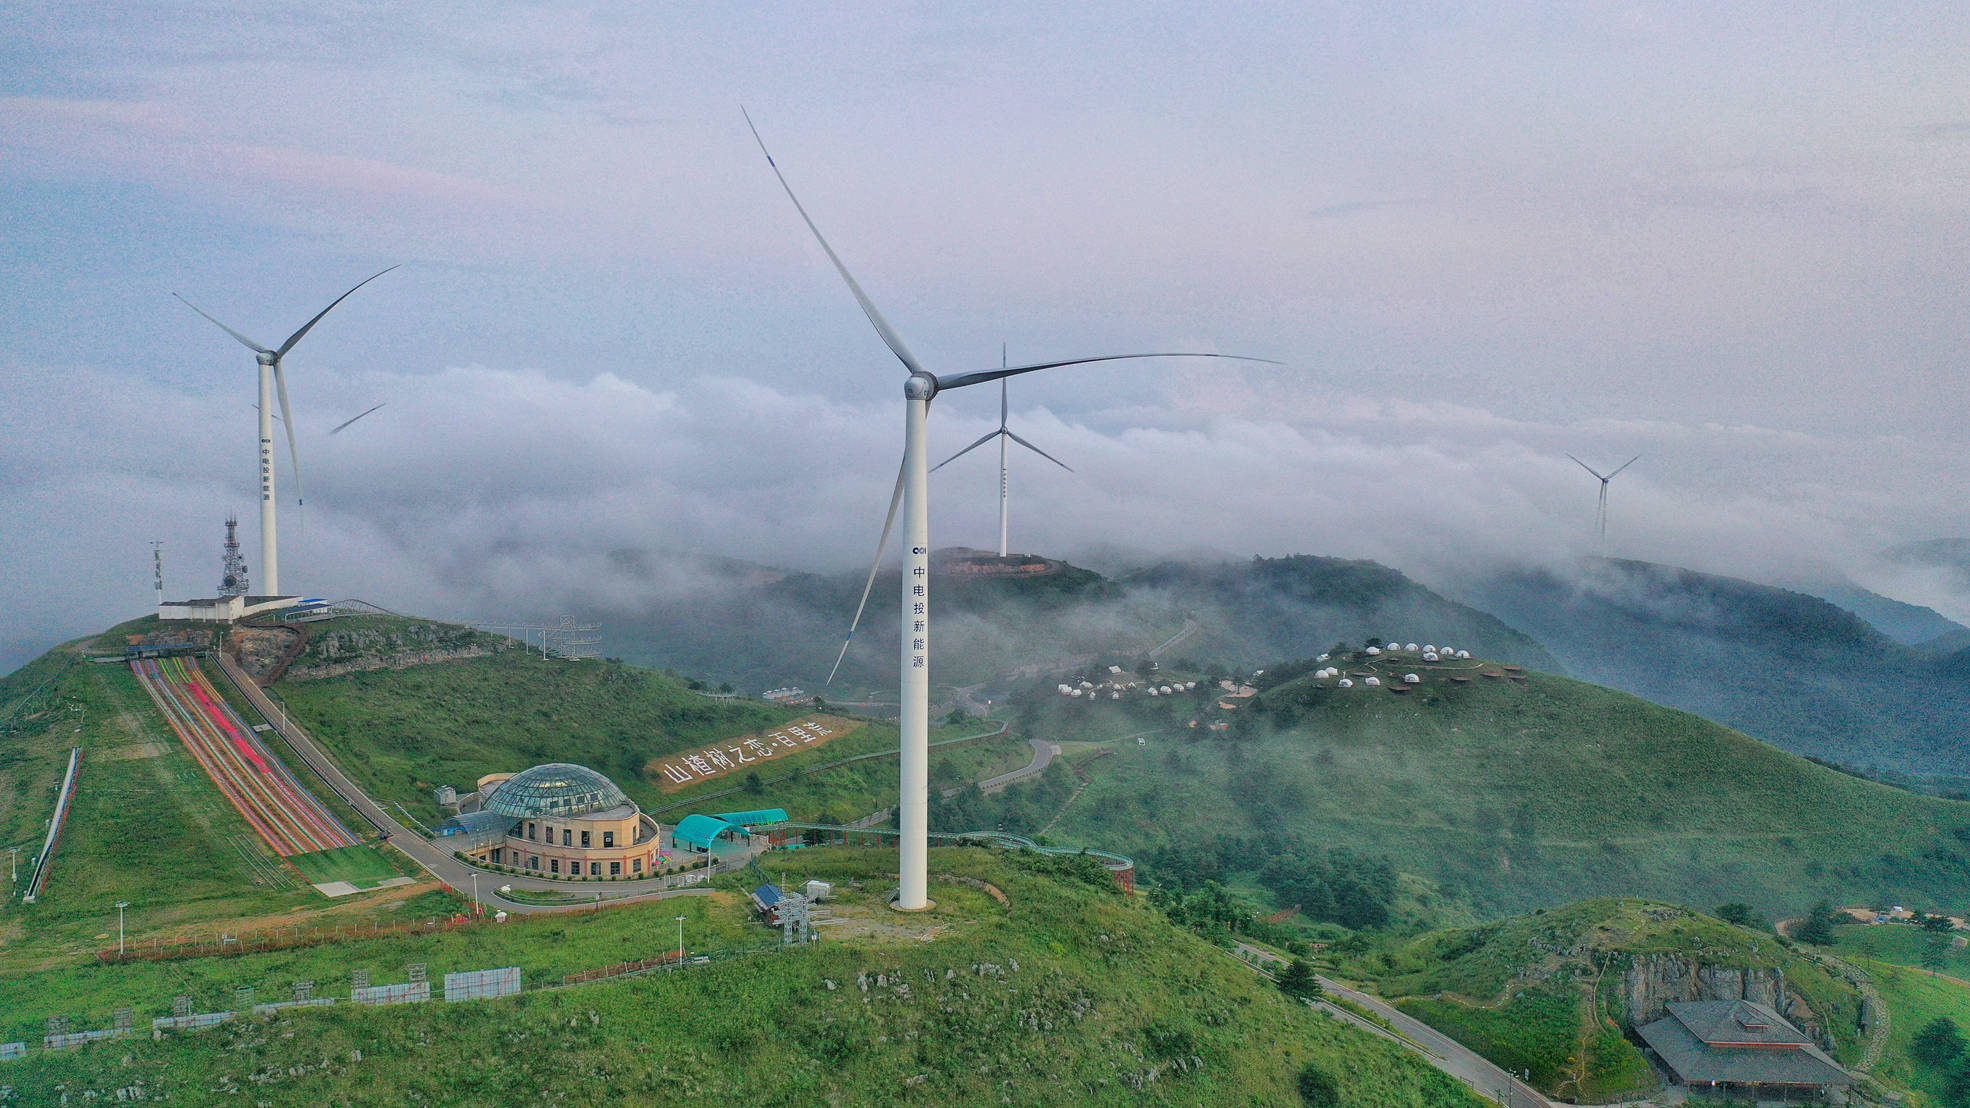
(1788, 668)
(1066, 994)
(1516, 795)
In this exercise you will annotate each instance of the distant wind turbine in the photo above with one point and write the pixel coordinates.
(912, 493)
(1600, 512)
(1003, 434)
(271, 378)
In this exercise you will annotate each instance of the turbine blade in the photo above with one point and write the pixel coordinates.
(1625, 465)
(347, 422)
(1014, 436)
(982, 440)
(250, 344)
(296, 336)
(889, 336)
(1588, 468)
(287, 421)
(979, 377)
(888, 521)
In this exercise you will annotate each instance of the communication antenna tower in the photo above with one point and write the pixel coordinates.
(232, 581)
(157, 568)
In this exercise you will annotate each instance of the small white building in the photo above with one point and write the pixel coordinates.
(1429, 655)
(1411, 679)
(223, 609)
(1374, 650)
(1372, 682)
(1346, 683)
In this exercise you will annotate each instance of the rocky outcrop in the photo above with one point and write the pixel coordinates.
(1653, 981)
(331, 653)
(401, 660)
(263, 652)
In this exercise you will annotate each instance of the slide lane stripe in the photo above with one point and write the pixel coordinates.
(299, 802)
(258, 785)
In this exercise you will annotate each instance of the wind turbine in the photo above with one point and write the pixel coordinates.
(1600, 512)
(1003, 434)
(272, 379)
(912, 492)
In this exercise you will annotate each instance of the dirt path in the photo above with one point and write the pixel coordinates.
(1878, 1016)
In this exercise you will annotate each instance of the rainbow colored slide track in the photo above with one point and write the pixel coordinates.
(290, 819)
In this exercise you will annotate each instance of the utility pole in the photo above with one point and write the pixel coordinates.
(680, 942)
(120, 905)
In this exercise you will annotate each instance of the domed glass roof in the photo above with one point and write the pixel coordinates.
(555, 790)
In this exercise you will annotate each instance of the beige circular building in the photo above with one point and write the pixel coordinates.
(558, 820)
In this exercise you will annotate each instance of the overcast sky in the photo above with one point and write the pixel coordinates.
(1731, 241)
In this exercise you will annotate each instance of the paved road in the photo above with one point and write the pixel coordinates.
(1447, 1054)
(1443, 1052)
(1044, 753)
(436, 860)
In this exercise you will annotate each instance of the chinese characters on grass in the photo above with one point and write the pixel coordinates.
(674, 771)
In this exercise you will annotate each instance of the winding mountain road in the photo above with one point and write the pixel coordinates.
(1442, 1051)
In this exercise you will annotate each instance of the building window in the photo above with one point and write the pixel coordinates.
(584, 838)
(530, 832)
(636, 864)
(568, 837)
(533, 861)
(495, 855)
(554, 865)
(608, 838)
(615, 869)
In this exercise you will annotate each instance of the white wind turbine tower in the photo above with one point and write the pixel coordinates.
(1600, 512)
(1003, 434)
(912, 492)
(272, 379)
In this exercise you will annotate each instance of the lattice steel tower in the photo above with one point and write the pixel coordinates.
(233, 580)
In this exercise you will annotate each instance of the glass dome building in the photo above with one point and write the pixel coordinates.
(557, 820)
(557, 790)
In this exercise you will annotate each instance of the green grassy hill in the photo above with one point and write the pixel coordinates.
(403, 731)
(1554, 992)
(1789, 668)
(1512, 795)
(1067, 994)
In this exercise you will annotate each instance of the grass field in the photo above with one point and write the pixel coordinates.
(360, 866)
(1072, 995)
(1908, 945)
(1900, 958)
(1914, 998)
(1515, 796)
(401, 733)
